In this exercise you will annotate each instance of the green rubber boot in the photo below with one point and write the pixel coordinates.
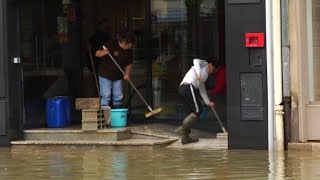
(186, 124)
(185, 139)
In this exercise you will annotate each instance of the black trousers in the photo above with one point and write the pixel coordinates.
(191, 98)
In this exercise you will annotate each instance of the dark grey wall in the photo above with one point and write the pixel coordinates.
(3, 98)
(246, 76)
(2, 75)
(11, 79)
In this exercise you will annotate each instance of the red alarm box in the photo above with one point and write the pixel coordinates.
(254, 40)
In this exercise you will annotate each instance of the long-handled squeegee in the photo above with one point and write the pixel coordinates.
(215, 113)
(152, 112)
(217, 117)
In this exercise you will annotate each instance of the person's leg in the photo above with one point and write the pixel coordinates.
(105, 90)
(117, 94)
(191, 100)
(106, 110)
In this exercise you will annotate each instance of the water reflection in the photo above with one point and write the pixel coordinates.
(123, 164)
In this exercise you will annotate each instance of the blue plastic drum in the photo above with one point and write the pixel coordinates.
(58, 112)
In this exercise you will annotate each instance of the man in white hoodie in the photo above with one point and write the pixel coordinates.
(192, 89)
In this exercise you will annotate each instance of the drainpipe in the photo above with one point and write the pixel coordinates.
(274, 76)
(271, 138)
(286, 99)
(277, 72)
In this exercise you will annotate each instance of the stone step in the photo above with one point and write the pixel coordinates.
(304, 146)
(222, 135)
(137, 140)
(76, 135)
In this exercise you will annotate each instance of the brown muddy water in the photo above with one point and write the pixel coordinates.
(122, 164)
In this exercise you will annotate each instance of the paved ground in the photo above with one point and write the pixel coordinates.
(207, 129)
(207, 139)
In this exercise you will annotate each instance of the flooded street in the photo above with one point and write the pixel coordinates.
(99, 163)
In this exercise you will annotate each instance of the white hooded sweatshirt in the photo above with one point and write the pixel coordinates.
(200, 67)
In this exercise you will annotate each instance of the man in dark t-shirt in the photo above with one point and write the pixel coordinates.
(97, 40)
(110, 77)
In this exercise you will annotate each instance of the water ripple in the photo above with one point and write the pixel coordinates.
(62, 163)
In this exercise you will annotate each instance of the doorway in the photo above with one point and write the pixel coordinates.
(54, 39)
(54, 49)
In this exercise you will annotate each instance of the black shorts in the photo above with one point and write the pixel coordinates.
(191, 97)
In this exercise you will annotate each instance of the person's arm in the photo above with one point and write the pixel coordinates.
(101, 52)
(104, 49)
(203, 91)
(196, 66)
(128, 65)
(127, 75)
(204, 95)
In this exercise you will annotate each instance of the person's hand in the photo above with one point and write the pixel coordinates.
(211, 104)
(126, 77)
(105, 50)
(198, 77)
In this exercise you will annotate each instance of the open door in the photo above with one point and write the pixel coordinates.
(11, 99)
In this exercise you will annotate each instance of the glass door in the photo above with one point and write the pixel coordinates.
(51, 55)
(181, 31)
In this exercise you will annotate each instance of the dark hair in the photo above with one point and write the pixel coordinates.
(126, 37)
(212, 60)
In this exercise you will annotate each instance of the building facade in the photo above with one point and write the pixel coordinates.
(43, 42)
(304, 70)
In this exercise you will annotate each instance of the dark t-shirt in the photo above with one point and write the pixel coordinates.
(107, 67)
(97, 40)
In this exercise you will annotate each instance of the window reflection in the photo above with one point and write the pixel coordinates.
(181, 31)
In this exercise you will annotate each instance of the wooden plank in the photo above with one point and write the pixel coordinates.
(87, 103)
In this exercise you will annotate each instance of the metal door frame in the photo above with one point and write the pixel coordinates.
(11, 110)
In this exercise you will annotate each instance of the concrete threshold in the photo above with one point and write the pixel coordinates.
(131, 142)
(141, 136)
(307, 146)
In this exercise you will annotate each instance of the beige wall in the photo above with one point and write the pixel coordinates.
(313, 108)
(298, 68)
(305, 68)
(316, 48)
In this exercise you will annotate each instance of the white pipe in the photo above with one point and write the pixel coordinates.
(277, 67)
(269, 60)
(278, 113)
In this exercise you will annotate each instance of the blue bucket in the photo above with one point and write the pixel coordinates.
(58, 112)
(118, 118)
